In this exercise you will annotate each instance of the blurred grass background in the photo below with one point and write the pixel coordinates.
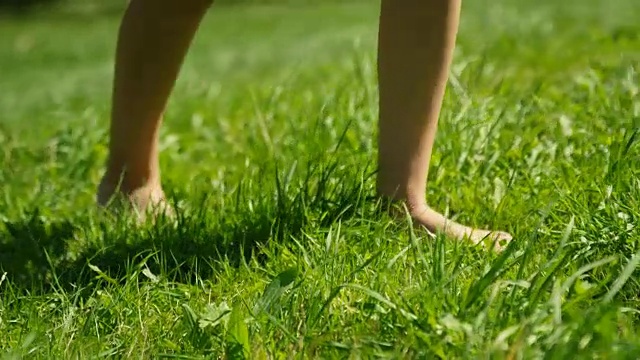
(109, 6)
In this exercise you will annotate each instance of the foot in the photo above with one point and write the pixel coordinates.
(434, 221)
(143, 200)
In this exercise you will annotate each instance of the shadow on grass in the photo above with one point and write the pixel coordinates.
(39, 255)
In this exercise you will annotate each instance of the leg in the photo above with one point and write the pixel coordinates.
(416, 42)
(153, 41)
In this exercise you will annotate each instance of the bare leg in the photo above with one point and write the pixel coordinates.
(153, 41)
(416, 43)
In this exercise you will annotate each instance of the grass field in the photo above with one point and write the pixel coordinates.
(269, 150)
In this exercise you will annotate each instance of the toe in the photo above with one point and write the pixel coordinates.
(500, 239)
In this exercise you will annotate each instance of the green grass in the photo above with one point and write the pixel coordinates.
(268, 153)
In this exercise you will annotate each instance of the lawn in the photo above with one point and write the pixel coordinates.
(279, 249)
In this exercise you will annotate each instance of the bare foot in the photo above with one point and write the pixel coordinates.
(142, 200)
(434, 222)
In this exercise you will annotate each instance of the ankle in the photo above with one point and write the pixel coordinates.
(140, 195)
(126, 182)
(401, 207)
(414, 200)
(131, 175)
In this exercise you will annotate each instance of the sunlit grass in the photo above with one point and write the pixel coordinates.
(280, 247)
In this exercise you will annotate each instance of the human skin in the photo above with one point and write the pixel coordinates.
(415, 46)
